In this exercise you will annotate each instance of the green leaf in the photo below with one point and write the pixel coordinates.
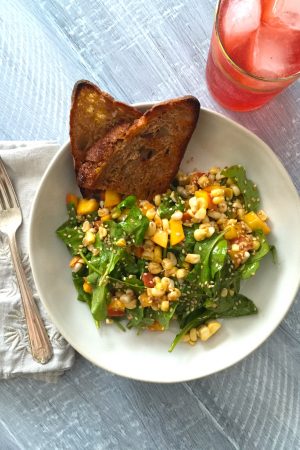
(135, 225)
(204, 249)
(78, 283)
(203, 317)
(130, 282)
(249, 269)
(71, 237)
(235, 306)
(164, 317)
(136, 317)
(92, 278)
(99, 302)
(218, 257)
(169, 205)
(72, 214)
(128, 202)
(252, 264)
(248, 189)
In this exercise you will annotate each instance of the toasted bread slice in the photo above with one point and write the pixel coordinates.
(144, 157)
(93, 113)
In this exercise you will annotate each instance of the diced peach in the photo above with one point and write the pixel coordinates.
(111, 198)
(160, 238)
(177, 233)
(206, 197)
(255, 223)
(231, 233)
(87, 206)
(116, 305)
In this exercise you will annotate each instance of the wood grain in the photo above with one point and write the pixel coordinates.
(140, 51)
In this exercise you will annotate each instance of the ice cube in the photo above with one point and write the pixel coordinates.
(275, 53)
(282, 13)
(239, 18)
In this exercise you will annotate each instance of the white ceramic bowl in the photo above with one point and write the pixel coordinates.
(216, 141)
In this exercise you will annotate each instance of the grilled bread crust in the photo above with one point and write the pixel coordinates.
(93, 114)
(144, 157)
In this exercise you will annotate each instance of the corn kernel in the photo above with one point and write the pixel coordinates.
(217, 192)
(157, 254)
(217, 200)
(86, 226)
(167, 264)
(154, 267)
(200, 214)
(203, 181)
(174, 295)
(181, 273)
(89, 238)
(236, 191)
(103, 212)
(203, 332)
(165, 282)
(145, 300)
(177, 215)
(192, 258)
(165, 305)
(157, 200)
(102, 232)
(151, 229)
(213, 326)
(193, 335)
(156, 292)
(121, 242)
(165, 224)
(199, 235)
(150, 214)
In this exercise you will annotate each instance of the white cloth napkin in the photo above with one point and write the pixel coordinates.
(25, 162)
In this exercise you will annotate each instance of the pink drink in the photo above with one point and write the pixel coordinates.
(254, 52)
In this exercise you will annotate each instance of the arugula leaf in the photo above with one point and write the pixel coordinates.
(164, 317)
(92, 278)
(235, 306)
(72, 214)
(130, 282)
(168, 206)
(203, 317)
(128, 202)
(81, 294)
(136, 316)
(115, 230)
(218, 257)
(248, 189)
(100, 297)
(71, 237)
(204, 249)
(135, 225)
(252, 264)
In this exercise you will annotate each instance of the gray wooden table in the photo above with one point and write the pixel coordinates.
(139, 50)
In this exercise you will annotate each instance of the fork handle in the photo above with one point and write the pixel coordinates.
(41, 349)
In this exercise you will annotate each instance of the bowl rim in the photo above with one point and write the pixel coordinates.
(276, 323)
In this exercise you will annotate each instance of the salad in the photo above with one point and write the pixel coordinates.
(182, 256)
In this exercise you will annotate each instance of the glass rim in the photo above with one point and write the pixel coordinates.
(236, 66)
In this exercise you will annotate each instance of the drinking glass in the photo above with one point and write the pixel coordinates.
(254, 52)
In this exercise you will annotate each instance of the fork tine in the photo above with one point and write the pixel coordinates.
(8, 191)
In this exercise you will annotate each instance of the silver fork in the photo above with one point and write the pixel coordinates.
(10, 220)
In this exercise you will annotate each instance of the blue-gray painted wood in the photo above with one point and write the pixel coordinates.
(140, 51)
